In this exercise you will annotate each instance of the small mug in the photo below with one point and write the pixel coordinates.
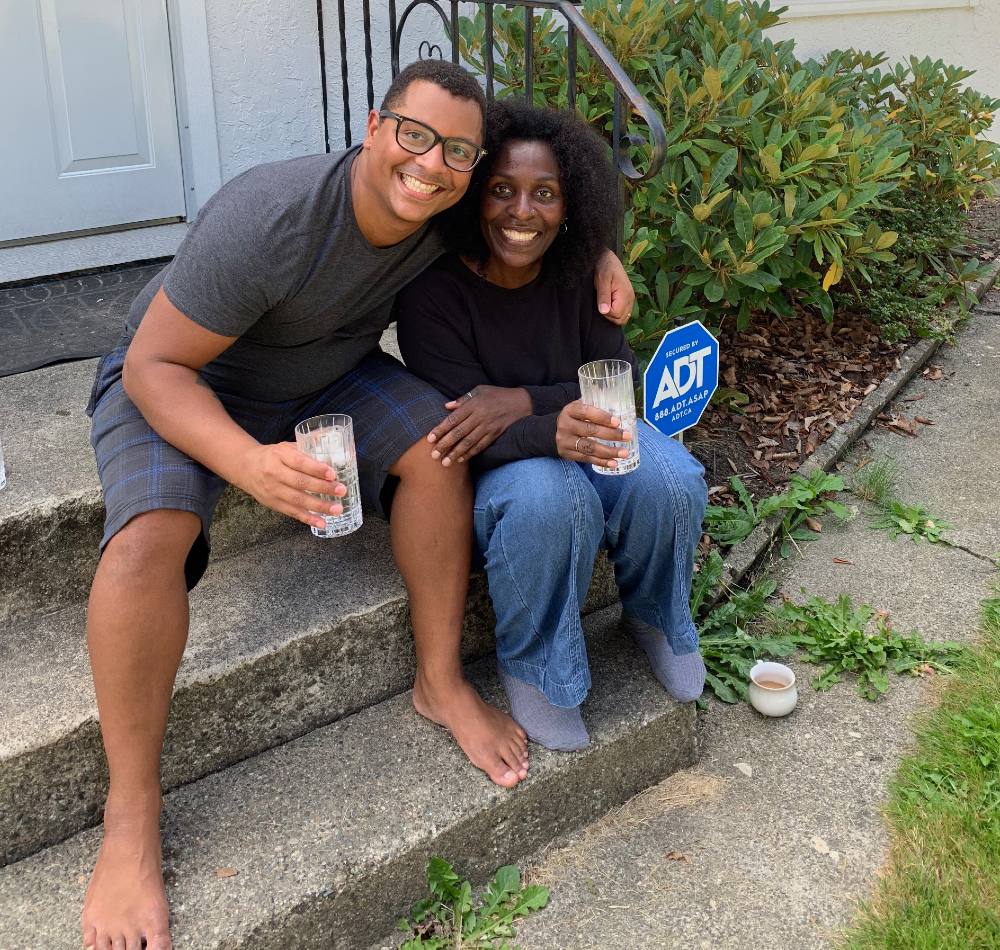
(772, 689)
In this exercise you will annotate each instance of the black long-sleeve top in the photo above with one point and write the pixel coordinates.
(458, 331)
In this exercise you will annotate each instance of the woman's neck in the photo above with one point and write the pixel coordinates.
(495, 272)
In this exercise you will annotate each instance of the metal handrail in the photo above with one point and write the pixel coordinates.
(626, 94)
(577, 29)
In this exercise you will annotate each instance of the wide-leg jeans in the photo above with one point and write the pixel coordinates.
(539, 524)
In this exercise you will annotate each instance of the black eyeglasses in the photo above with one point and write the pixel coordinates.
(415, 137)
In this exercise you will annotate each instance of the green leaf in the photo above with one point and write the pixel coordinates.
(722, 169)
(743, 219)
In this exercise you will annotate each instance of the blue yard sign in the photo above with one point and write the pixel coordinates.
(680, 378)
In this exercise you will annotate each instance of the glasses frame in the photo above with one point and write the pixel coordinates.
(438, 139)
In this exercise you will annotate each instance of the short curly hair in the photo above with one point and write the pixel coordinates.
(587, 177)
(450, 77)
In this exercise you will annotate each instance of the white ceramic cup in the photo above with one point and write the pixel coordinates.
(768, 700)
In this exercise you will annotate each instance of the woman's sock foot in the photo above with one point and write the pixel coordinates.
(551, 726)
(682, 675)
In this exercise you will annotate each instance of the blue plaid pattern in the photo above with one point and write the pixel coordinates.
(140, 472)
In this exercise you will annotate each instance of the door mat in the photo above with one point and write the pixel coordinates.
(74, 318)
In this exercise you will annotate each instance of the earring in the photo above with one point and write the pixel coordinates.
(564, 227)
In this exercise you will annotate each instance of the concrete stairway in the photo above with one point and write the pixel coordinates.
(293, 754)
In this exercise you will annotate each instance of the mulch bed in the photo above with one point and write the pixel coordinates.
(793, 382)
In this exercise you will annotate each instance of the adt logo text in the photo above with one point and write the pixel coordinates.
(680, 378)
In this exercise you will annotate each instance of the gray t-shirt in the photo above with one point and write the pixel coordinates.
(276, 258)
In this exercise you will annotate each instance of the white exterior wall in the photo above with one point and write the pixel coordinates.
(960, 33)
(266, 72)
(266, 81)
(265, 69)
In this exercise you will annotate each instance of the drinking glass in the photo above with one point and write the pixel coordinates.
(607, 385)
(330, 438)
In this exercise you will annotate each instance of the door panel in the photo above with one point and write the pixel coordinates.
(96, 130)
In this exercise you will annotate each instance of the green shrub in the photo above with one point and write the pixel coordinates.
(909, 296)
(775, 168)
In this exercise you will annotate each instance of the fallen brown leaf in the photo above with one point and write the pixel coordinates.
(923, 421)
(842, 560)
(226, 872)
(678, 856)
(814, 524)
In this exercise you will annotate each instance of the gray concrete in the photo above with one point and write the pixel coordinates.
(952, 466)
(330, 834)
(28, 261)
(51, 512)
(777, 836)
(284, 638)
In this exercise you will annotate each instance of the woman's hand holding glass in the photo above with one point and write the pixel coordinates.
(577, 432)
(476, 421)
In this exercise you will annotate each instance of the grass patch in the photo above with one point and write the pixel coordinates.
(877, 481)
(942, 886)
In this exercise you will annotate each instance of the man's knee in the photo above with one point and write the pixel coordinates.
(151, 546)
(416, 464)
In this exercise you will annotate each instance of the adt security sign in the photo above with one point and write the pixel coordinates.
(680, 378)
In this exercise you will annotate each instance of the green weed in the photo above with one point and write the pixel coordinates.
(730, 649)
(450, 917)
(914, 521)
(801, 505)
(860, 641)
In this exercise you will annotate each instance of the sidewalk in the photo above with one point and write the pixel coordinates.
(777, 834)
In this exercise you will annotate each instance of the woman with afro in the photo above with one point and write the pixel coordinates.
(501, 327)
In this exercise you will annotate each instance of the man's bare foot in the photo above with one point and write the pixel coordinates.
(491, 740)
(126, 904)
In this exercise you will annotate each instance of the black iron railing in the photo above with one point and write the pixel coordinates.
(628, 101)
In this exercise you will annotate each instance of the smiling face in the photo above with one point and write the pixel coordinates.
(520, 212)
(403, 190)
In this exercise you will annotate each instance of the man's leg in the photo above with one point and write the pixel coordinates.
(137, 625)
(431, 529)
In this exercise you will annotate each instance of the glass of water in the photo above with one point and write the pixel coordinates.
(330, 438)
(607, 385)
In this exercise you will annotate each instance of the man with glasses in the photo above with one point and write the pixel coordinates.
(271, 312)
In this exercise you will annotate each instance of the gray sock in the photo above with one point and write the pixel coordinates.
(548, 725)
(683, 676)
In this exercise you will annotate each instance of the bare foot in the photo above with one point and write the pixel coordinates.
(126, 904)
(491, 740)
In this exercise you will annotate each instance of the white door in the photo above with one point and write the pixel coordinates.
(88, 125)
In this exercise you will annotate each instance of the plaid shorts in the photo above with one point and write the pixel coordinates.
(140, 472)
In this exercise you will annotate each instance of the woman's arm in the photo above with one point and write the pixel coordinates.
(436, 342)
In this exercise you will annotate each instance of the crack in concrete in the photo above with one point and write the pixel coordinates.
(991, 560)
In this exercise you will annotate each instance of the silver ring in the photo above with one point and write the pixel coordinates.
(468, 395)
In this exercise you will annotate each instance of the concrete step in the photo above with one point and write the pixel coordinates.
(284, 637)
(329, 834)
(52, 513)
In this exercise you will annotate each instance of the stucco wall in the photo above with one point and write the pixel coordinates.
(266, 73)
(967, 37)
(266, 80)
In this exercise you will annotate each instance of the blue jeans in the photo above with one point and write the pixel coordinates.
(539, 524)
